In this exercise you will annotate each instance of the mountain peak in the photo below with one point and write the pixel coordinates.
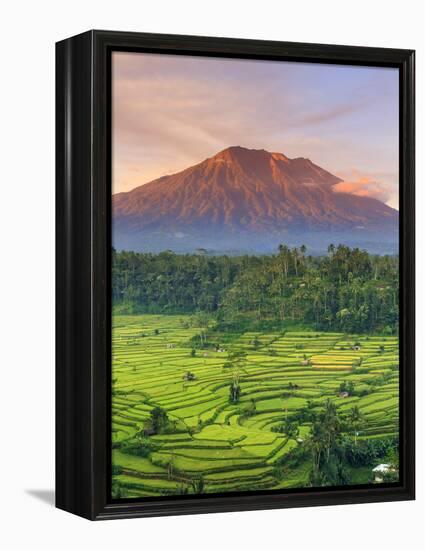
(238, 152)
(232, 149)
(242, 191)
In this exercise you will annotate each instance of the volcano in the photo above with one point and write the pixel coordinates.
(249, 201)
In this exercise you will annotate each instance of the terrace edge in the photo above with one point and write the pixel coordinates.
(83, 276)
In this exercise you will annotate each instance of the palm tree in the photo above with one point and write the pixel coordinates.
(295, 257)
(235, 389)
(355, 419)
(170, 466)
(330, 425)
(202, 320)
(198, 485)
(283, 253)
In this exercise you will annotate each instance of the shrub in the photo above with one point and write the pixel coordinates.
(142, 447)
(369, 451)
(117, 491)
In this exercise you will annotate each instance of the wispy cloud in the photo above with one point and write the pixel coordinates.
(328, 115)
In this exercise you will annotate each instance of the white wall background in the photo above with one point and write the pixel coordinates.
(28, 32)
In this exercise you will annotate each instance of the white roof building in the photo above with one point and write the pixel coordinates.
(380, 471)
(382, 468)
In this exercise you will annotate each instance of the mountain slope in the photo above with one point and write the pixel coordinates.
(242, 194)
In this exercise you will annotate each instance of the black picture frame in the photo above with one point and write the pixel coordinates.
(83, 309)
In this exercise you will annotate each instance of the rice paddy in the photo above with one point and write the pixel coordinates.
(232, 445)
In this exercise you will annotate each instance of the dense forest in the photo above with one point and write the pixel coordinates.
(347, 290)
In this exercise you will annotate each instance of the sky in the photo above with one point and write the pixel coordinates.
(170, 112)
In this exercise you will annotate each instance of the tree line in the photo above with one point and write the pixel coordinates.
(347, 289)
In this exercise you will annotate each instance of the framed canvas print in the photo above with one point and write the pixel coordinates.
(235, 274)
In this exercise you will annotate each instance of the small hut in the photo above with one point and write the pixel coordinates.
(380, 471)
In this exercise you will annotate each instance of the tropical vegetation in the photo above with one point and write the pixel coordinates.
(253, 372)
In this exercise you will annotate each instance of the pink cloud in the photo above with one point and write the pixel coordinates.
(365, 186)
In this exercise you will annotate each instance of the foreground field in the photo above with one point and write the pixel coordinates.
(233, 445)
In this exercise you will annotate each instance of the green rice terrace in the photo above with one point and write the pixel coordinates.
(189, 416)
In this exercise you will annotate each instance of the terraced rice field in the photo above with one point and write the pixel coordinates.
(215, 438)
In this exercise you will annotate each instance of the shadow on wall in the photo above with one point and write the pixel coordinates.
(45, 495)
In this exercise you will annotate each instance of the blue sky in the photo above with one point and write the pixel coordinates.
(170, 112)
